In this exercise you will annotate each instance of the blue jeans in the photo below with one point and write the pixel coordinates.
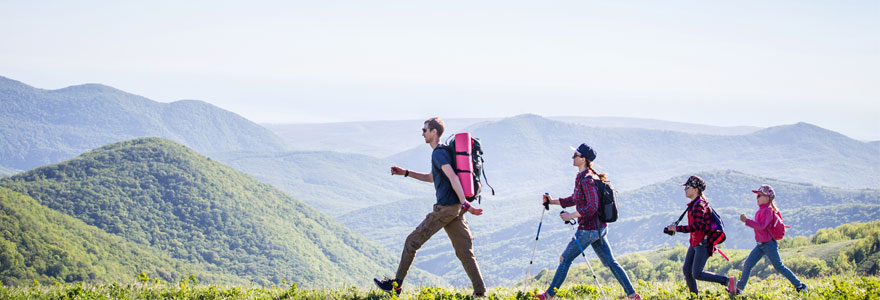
(694, 263)
(771, 251)
(595, 238)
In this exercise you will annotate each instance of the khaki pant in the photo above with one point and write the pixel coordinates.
(450, 218)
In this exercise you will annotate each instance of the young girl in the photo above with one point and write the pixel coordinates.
(767, 246)
(699, 225)
(591, 231)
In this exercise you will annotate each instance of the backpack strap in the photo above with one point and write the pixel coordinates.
(486, 180)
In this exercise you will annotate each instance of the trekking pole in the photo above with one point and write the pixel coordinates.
(532, 259)
(576, 241)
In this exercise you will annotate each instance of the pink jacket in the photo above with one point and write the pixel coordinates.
(763, 220)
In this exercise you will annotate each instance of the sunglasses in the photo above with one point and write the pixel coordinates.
(575, 155)
(424, 130)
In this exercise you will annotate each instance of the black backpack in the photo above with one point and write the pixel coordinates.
(607, 210)
(607, 202)
(476, 165)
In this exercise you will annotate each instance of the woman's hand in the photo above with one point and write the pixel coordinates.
(566, 216)
(742, 217)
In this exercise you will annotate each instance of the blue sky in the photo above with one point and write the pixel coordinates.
(759, 63)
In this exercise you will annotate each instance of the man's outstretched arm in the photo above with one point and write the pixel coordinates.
(426, 177)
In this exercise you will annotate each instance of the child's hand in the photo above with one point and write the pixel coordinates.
(742, 217)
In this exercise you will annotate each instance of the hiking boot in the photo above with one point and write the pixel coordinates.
(388, 285)
(803, 288)
(634, 296)
(731, 286)
(479, 295)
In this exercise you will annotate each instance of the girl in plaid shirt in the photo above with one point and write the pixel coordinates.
(699, 226)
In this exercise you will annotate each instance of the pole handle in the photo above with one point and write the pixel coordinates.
(546, 202)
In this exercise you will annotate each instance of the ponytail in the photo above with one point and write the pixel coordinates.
(603, 176)
(773, 205)
(700, 195)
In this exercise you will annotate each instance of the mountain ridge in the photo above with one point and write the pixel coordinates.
(155, 192)
(636, 157)
(47, 126)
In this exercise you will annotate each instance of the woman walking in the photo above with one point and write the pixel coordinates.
(764, 220)
(700, 228)
(591, 230)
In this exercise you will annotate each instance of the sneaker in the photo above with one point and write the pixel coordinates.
(634, 296)
(479, 295)
(803, 288)
(731, 286)
(541, 296)
(388, 285)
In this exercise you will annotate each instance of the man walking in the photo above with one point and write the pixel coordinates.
(448, 214)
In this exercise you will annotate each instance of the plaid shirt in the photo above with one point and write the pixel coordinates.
(585, 199)
(699, 224)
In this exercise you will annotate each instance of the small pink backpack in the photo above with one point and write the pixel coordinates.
(777, 229)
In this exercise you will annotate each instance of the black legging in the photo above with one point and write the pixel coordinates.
(693, 268)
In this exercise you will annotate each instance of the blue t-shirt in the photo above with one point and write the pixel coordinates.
(445, 194)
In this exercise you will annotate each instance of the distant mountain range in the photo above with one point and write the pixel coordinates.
(334, 183)
(160, 194)
(385, 138)
(375, 138)
(7, 172)
(529, 153)
(41, 127)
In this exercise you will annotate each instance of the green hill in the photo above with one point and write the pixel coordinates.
(155, 192)
(41, 244)
(849, 248)
(40, 127)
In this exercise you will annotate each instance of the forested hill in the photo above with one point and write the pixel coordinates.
(155, 192)
(846, 249)
(38, 243)
(40, 127)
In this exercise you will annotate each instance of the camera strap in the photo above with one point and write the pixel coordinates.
(683, 213)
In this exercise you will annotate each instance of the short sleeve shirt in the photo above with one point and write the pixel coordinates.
(445, 194)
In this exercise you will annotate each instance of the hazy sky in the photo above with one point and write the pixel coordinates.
(759, 63)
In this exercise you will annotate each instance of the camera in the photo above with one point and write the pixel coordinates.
(669, 232)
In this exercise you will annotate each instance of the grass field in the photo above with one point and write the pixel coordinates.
(835, 287)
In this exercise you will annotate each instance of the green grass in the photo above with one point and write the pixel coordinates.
(774, 287)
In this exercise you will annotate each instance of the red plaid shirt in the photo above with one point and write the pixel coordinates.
(699, 224)
(585, 199)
